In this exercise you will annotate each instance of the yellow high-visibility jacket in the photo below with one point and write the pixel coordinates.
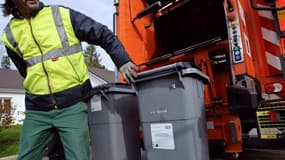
(49, 45)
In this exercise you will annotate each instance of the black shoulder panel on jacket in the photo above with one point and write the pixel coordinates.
(18, 61)
(92, 32)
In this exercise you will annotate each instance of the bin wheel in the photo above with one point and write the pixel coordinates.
(235, 155)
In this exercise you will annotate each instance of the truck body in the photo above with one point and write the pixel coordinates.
(238, 44)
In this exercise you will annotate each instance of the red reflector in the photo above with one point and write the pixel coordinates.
(269, 89)
(54, 58)
(274, 116)
(276, 87)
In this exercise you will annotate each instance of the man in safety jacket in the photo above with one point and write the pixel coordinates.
(44, 42)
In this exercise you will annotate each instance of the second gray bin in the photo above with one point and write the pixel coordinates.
(114, 123)
(172, 112)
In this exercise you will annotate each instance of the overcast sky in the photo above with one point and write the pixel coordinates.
(100, 10)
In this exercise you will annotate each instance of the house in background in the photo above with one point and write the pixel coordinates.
(12, 93)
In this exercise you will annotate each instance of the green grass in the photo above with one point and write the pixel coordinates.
(9, 140)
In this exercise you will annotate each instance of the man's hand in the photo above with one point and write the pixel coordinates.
(128, 71)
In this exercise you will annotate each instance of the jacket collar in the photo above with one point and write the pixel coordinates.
(16, 13)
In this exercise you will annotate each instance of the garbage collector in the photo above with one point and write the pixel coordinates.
(44, 42)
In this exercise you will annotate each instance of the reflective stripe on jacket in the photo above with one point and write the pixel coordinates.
(53, 54)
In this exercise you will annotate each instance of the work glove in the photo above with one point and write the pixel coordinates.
(128, 71)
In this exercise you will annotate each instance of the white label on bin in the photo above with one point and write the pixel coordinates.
(96, 104)
(162, 136)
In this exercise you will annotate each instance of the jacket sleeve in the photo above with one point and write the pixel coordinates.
(18, 61)
(92, 32)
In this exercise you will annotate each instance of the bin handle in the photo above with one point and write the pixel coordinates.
(104, 95)
(165, 68)
(205, 79)
(185, 72)
(122, 90)
(111, 109)
(154, 77)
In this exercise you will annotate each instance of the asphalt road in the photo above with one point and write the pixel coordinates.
(254, 154)
(250, 154)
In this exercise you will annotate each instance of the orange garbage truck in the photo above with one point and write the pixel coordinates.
(238, 44)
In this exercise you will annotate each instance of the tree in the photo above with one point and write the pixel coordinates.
(6, 112)
(92, 57)
(2, 49)
(5, 62)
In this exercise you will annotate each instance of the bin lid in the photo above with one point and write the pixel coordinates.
(194, 72)
(185, 68)
(114, 88)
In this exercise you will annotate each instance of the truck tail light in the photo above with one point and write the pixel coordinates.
(276, 87)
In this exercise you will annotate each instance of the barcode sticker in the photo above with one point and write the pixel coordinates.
(162, 136)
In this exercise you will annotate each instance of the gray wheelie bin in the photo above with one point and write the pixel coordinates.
(172, 112)
(114, 123)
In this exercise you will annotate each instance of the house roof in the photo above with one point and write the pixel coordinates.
(108, 76)
(10, 79)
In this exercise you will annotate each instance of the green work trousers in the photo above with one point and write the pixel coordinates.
(72, 126)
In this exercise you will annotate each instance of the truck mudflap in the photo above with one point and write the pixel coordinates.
(218, 129)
